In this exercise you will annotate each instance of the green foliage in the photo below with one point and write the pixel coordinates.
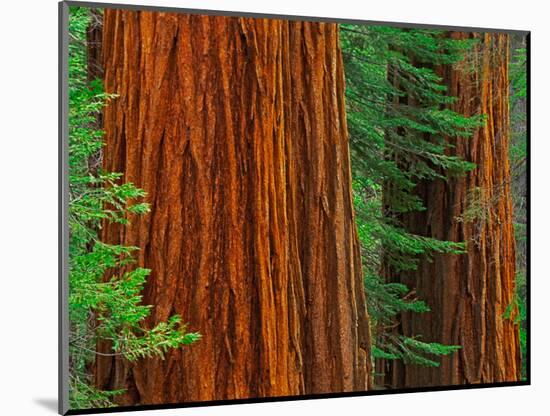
(84, 395)
(518, 103)
(413, 351)
(399, 124)
(518, 110)
(100, 308)
(397, 118)
(517, 310)
(518, 75)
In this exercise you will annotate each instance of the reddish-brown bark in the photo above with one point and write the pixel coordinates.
(236, 130)
(468, 294)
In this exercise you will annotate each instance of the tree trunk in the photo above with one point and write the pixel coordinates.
(93, 45)
(468, 294)
(236, 130)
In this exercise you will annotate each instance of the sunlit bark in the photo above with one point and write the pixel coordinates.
(236, 130)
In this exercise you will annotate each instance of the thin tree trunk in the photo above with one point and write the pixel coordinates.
(468, 294)
(93, 45)
(236, 130)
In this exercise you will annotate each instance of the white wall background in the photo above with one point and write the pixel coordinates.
(28, 205)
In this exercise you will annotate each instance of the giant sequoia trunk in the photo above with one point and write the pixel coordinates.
(236, 130)
(468, 294)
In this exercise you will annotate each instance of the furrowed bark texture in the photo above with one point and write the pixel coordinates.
(468, 294)
(236, 130)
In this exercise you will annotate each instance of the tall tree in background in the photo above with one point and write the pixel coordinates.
(469, 294)
(398, 120)
(236, 130)
(518, 171)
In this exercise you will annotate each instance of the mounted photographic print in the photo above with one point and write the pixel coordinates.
(259, 208)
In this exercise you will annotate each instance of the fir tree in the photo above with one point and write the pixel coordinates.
(398, 123)
(518, 160)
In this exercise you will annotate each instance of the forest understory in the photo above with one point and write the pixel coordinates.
(267, 208)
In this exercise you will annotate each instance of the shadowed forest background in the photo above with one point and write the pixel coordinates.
(265, 208)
